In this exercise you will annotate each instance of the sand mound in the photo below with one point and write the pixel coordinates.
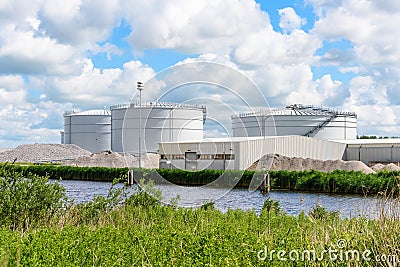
(389, 167)
(114, 160)
(42, 152)
(278, 162)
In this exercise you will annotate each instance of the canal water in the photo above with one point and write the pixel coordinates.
(291, 202)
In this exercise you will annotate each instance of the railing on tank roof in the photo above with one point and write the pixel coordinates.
(157, 104)
(297, 107)
(163, 104)
(87, 112)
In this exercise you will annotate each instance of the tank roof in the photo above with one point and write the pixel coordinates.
(96, 112)
(298, 110)
(157, 105)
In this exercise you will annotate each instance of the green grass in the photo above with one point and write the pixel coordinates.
(136, 230)
(166, 236)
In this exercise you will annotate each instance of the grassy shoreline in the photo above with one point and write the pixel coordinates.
(38, 228)
(343, 182)
(168, 236)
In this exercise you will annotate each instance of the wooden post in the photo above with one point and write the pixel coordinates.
(130, 177)
(266, 183)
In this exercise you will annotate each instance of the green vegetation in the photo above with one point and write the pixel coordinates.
(337, 182)
(136, 230)
(70, 173)
(333, 182)
(28, 201)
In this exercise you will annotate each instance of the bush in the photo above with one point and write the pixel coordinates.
(146, 195)
(28, 200)
(271, 206)
(321, 213)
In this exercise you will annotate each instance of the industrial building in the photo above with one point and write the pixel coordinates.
(175, 132)
(295, 131)
(297, 119)
(372, 151)
(154, 122)
(240, 152)
(90, 130)
(117, 129)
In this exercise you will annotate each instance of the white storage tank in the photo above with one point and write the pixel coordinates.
(160, 122)
(297, 119)
(62, 137)
(90, 130)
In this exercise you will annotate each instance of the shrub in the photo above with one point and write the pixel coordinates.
(271, 206)
(28, 200)
(321, 213)
(146, 195)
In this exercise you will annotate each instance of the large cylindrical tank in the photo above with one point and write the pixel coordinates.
(318, 122)
(62, 137)
(160, 122)
(90, 130)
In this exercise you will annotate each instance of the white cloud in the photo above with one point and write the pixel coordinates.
(370, 27)
(193, 26)
(290, 21)
(24, 52)
(109, 49)
(94, 87)
(26, 121)
(269, 47)
(77, 22)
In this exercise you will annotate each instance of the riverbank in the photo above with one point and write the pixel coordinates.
(343, 182)
(139, 231)
(165, 236)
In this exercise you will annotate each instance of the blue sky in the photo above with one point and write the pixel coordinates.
(61, 55)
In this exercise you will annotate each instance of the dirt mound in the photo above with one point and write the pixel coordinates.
(382, 167)
(378, 167)
(279, 162)
(5, 149)
(114, 160)
(42, 152)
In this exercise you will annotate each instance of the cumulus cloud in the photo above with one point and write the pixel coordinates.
(77, 22)
(46, 45)
(26, 120)
(290, 21)
(373, 58)
(193, 26)
(24, 52)
(94, 87)
(109, 49)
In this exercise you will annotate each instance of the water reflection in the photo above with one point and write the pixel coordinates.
(291, 202)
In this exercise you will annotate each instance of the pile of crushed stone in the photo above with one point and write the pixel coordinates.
(388, 167)
(279, 162)
(4, 149)
(114, 160)
(42, 152)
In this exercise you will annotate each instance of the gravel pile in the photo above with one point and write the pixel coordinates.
(114, 160)
(5, 149)
(278, 162)
(42, 152)
(382, 167)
